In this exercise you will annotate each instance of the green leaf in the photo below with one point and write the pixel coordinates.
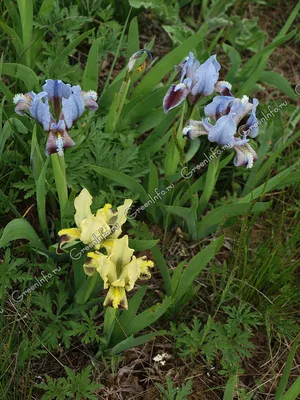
(123, 322)
(277, 80)
(256, 65)
(15, 39)
(6, 201)
(294, 391)
(77, 262)
(26, 14)
(55, 67)
(83, 293)
(161, 264)
(136, 112)
(214, 218)
(229, 389)
(148, 317)
(12, 126)
(194, 147)
(195, 266)
(150, 144)
(286, 372)
(163, 67)
(122, 180)
(109, 323)
(91, 71)
(210, 181)
(235, 60)
(41, 201)
(131, 342)
(46, 8)
(19, 229)
(270, 185)
(22, 72)
(177, 275)
(133, 40)
(188, 214)
(259, 172)
(36, 159)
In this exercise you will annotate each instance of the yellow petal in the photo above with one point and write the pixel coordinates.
(116, 298)
(130, 273)
(105, 212)
(82, 205)
(94, 230)
(121, 217)
(67, 236)
(104, 266)
(144, 268)
(120, 253)
(91, 264)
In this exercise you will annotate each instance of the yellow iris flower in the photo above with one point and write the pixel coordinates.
(120, 269)
(96, 231)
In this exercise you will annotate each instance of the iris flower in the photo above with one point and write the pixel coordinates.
(68, 104)
(232, 117)
(95, 230)
(195, 80)
(120, 269)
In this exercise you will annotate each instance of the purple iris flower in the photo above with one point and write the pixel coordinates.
(195, 80)
(68, 103)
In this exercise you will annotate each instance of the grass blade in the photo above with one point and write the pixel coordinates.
(55, 69)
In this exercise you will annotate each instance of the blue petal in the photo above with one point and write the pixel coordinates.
(206, 75)
(40, 110)
(251, 126)
(190, 67)
(218, 107)
(73, 107)
(194, 129)
(175, 96)
(245, 155)
(60, 126)
(57, 89)
(223, 132)
(239, 108)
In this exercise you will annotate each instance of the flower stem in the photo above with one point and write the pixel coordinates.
(59, 170)
(109, 323)
(210, 182)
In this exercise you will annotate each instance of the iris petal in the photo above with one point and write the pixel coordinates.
(82, 204)
(73, 107)
(223, 132)
(67, 236)
(218, 107)
(120, 253)
(57, 89)
(174, 97)
(194, 129)
(240, 108)
(207, 75)
(251, 126)
(245, 155)
(116, 298)
(40, 110)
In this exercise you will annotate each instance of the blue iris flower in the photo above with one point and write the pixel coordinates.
(68, 103)
(195, 80)
(229, 114)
